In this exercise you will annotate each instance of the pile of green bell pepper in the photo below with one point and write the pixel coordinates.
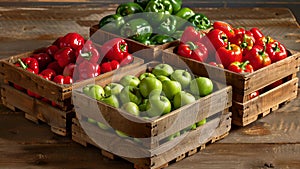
(153, 22)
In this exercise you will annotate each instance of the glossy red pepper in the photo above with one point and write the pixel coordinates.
(64, 56)
(48, 73)
(88, 52)
(244, 39)
(240, 67)
(191, 34)
(184, 49)
(51, 50)
(193, 50)
(114, 49)
(57, 41)
(263, 41)
(254, 94)
(276, 51)
(238, 36)
(43, 59)
(60, 79)
(55, 66)
(227, 55)
(257, 34)
(225, 27)
(88, 70)
(214, 40)
(30, 64)
(72, 40)
(127, 59)
(69, 70)
(258, 57)
(109, 66)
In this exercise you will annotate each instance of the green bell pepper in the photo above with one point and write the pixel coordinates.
(176, 5)
(157, 10)
(94, 91)
(111, 23)
(167, 26)
(128, 8)
(137, 29)
(160, 39)
(200, 21)
(185, 13)
(142, 3)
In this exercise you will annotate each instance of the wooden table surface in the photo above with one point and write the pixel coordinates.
(271, 142)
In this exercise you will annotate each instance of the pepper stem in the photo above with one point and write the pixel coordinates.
(123, 47)
(23, 65)
(244, 64)
(192, 46)
(229, 46)
(86, 55)
(276, 48)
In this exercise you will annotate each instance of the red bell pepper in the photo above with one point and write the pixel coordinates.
(109, 66)
(276, 51)
(48, 73)
(127, 59)
(225, 27)
(115, 49)
(258, 57)
(57, 41)
(51, 50)
(263, 41)
(72, 40)
(238, 36)
(257, 34)
(55, 66)
(87, 70)
(88, 52)
(43, 59)
(254, 94)
(240, 67)
(193, 50)
(229, 54)
(216, 64)
(69, 70)
(213, 40)
(30, 64)
(64, 56)
(60, 79)
(191, 34)
(244, 39)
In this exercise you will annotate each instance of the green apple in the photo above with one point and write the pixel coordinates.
(111, 100)
(113, 89)
(182, 76)
(182, 98)
(158, 105)
(200, 123)
(131, 108)
(130, 80)
(143, 105)
(130, 94)
(94, 91)
(162, 78)
(201, 86)
(170, 88)
(162, 69)
(171, 137)
(148, 85)
(191, 127)
(121, 134)
(102, 126)
(146, 74)
(90, 120)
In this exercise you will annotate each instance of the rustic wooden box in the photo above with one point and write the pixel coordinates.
(148, 53)
(244, 109)
(58, 93)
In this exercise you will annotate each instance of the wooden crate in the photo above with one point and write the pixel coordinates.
(148, 53)
(58, 93)
(161, 127)
(162, 156)
(37, 110)
(244, 109)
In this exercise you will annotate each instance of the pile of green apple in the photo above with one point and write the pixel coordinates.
(152, 94)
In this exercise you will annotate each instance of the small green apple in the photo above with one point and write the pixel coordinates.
(170, 88)
(146, 74)
(94, 91)
(201, 86)
(90, 120)
(200, 123)
(102, 126)
(162, 69)
(182, 76)
(143, 105)
(113, 89)
(130, 80)
(131, 108)
(158, 105)
(130, 94)
(111, 100)
(162, 78)
(182, 98)
(171, 137)
(148, 85)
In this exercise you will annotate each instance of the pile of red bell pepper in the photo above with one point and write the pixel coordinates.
(236, 49)
(71, 58)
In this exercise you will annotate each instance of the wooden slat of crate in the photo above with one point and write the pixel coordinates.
(37, 110)
(264, 104)
(137, 127)
(188, 146)
(242, 84)
(148, 53)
